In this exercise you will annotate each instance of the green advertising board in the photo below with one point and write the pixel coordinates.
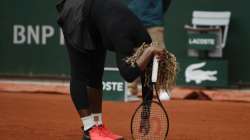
(31, 43)
(237, 48)
(114, 87)
(203, 73)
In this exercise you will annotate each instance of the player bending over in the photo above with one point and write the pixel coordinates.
(90, 28)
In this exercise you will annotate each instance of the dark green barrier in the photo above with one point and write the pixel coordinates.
(238, 44)
(113, 85)
(30, 39)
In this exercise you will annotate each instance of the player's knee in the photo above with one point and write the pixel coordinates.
(128, 78)
(128, 72)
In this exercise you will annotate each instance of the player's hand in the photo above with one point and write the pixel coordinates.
(149, 53)
(158, 51)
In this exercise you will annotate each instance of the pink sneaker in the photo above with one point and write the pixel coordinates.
(96, 133)
(110, 134)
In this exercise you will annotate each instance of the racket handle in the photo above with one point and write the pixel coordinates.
(155, 69)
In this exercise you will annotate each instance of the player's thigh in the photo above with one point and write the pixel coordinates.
(88, 66)
(79, 64)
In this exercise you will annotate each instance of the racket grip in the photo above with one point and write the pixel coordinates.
(155, 69)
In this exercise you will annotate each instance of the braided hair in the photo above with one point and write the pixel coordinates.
(167, 68)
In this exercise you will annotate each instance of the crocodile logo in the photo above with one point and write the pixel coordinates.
(194, 73)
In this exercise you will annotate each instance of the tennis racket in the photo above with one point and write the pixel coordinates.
(150, 120)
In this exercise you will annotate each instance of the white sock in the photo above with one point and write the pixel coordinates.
(97, 117)
(88, 122)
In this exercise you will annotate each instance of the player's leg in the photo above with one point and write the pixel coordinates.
(85, 89)
(95, 96)
(95, 84)
(79, 69)
(94, 89)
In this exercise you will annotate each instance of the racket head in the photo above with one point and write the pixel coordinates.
(150, 122)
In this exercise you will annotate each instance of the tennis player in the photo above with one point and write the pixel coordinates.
(90, 28)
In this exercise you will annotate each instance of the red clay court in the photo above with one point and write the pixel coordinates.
(42, 116)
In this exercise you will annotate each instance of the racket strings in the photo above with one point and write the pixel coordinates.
(150, 123)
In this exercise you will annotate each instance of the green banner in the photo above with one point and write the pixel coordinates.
(31, 43)
(203, 73)
(237, 46)
(114, 87)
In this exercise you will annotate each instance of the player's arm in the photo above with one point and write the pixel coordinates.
(131, 72)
